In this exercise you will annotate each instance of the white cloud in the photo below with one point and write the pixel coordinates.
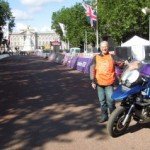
(21, 26)
(33, 10)
(37, 5)
(21, 15)
(45, 29)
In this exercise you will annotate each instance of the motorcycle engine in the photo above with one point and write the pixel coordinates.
(146, 114)
(142, 114)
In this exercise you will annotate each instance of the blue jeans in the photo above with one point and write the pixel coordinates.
(106, 102)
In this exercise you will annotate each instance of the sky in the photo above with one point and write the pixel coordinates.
(36, 13)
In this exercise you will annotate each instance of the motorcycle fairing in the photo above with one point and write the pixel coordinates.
(122, 92)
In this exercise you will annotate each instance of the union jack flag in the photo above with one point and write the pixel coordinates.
(90, 13)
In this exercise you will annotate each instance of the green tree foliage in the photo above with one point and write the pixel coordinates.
(6, 14)
(76, 23)
(122, 19)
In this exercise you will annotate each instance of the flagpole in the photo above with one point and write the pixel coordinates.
(97, 40)
(85, 48)
(68, 45)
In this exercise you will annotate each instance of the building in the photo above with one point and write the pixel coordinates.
(47, 40)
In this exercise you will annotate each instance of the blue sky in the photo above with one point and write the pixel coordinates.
(37, 13)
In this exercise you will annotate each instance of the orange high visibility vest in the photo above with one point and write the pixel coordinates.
(105, 70)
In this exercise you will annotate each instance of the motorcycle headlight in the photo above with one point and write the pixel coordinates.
(130, 77)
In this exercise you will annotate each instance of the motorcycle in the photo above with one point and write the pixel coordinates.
(134, 94)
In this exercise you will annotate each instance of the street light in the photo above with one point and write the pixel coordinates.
(146, 11)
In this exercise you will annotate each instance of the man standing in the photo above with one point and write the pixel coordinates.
(102, 74)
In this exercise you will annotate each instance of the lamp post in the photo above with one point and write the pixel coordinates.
(97, 38)
(147, 11)
(85, 43)
(85, 46)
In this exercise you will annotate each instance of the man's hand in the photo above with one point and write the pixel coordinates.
(93, 85)
(126, 62)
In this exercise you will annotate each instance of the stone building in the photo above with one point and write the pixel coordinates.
(47, 40)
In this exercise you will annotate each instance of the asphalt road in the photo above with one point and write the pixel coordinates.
(47, 106)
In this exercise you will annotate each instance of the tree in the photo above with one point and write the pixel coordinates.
(6, 14)
(76, 23)
(122, 19)
(119, 19)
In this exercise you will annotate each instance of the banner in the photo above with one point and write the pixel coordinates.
(87, 67)
(55, 43)
(82, 63)
(62, 26)
(73, 63)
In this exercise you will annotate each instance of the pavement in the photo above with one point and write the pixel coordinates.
(4, 56)
(47, 106)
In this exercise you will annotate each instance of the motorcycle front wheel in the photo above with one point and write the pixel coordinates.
(115, 127)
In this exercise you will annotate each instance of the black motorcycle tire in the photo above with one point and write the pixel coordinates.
(114, 124)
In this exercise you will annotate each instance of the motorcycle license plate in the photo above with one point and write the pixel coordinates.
(124, 88)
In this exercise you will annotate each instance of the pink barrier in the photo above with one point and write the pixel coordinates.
(66, 59)
(83, 64)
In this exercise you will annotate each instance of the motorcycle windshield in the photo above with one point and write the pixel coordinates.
(131, 72)
(130, 75)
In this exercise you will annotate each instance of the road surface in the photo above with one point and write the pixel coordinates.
(47, 106)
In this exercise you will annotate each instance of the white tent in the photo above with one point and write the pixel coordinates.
(137, 47)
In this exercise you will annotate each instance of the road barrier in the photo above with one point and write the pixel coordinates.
(79, 62)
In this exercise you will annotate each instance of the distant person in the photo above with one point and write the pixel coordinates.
(102, 74)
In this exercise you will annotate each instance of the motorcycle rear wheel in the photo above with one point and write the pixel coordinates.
(115, 127)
